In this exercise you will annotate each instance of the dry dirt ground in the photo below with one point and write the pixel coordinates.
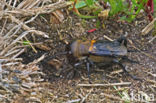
(53, 79)
(63, 81)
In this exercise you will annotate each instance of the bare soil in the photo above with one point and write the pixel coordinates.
(60, 74)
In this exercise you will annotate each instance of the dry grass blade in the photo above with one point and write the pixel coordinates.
(39, 10)
(152, 39)
(148, 28)
(108, 38)
(8, 59)
(84, 98)
(16, 40)
(104, 85)
(24, 8)
(73, 101)
(25, 27)
(28, 4)
(38, 60)
(15, 9)
(11, 64)
(19, 53)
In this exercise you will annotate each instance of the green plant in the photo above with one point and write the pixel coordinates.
(134, 10)
(26, 42)
(89, 5)
(116, 6)
(130, 9)
(124, 95)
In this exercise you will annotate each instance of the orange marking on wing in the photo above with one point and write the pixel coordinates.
(91, 45)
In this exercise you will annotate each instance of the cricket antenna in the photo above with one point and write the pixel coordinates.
(58, 54)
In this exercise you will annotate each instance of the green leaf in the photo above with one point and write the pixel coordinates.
(125, 96)
(123, 18)
(98, 23)
(116, 6)
(89, 2)
(154, 4)
(86, 16)
(118, 92)
(97, 11)
(80, 4)
(26, 42)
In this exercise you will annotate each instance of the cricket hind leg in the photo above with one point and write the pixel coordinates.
(127, 73)
(125, 58)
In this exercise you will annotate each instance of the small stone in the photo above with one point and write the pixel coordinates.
(94, 20)
(33, 93)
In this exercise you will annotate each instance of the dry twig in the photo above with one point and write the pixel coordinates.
(148, 28)
(108, 38)
(152, 39)
(104, 85)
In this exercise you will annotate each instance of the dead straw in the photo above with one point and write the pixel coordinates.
(104, 85)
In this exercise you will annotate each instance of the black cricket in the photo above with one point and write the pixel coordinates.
(100, 52)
